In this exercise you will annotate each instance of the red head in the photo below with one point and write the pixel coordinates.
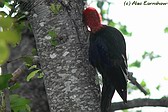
(92, 19)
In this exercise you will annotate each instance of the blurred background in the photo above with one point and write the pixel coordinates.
(145, 30)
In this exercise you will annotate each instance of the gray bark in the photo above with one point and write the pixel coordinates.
(69, 79)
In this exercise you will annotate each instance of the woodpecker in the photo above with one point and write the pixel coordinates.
(107, 54)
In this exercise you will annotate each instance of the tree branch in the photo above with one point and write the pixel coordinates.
(133, 81)
(6, 92)
(139, 103)
(21, 69)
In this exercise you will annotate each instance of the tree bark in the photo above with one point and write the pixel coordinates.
(69, 79)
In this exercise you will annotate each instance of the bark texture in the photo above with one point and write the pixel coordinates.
(69, 78)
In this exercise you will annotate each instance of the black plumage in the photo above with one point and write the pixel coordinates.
(107, 53)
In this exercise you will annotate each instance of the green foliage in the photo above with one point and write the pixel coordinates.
(148, 91)
(135, 64)
(35, 71)
(110, 22)
(123, 29)
(28, 60)
(143, 84)
(146, 54)
(164, 97)
(19, 104)
(150, 55)
(6, 22)
(1, 4)
(166, 30)
(132, 87)
(9, 36)
(53, 36)
(4, 52)
(15, 86)
(4, 79)
(100, 4)
(125, 110)
(32, 74)
(41, 75)
(55, 8)
(158, 87)
(34, 51)
(165, 78)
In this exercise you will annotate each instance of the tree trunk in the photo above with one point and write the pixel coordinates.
(69, 79)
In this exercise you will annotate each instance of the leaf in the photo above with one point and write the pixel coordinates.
(166, 30)
(32, 67)
(164, 97)
(103, 12)
(148, 91)
(11, 37)
(58, 7)
(19, 26)
(123, 29)
(28, 60)
(31, 75)
(143, 83)
(53, 42)
(18, 104)
(52, 34)
(2, 14)
(125, 110)
(150, 55)
(41, 75)
(144, 55)
(135, 64)
(15, 86)
(100, 4)
(53, 8)
(4, 52)
(165, 78)
(34, 51)
(1, 4)
(28, 108)
(158, 87)
(111, 23)
(4, 79)
(6, 22)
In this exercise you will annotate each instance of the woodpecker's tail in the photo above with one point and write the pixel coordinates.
(107, 94)
(121, 82)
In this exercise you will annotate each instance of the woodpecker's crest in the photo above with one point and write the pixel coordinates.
(92, 19)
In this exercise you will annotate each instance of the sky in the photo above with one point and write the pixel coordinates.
(147, 24)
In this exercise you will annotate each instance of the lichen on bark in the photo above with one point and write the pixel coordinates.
(69, 78)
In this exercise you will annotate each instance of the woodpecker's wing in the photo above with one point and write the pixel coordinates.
(107, 53)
